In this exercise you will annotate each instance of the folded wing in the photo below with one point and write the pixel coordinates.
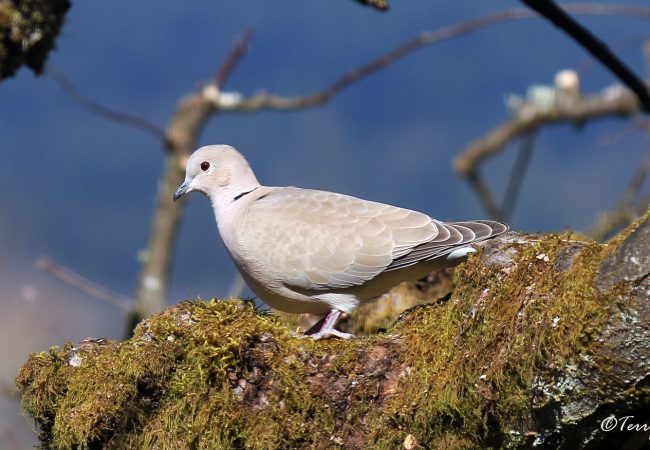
(320, 240)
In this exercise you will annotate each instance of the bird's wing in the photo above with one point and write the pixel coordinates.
(450, 236)
(320, 240)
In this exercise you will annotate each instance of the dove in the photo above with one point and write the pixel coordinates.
(318, 252)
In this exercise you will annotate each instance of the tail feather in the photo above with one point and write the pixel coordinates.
(457, 236)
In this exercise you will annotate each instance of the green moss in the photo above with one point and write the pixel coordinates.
(183, 379)
(478, 355)
(460, 374)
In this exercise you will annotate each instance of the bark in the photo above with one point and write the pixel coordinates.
(545, 342)
(183, 131)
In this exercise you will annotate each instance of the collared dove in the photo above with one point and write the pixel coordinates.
(318, 252)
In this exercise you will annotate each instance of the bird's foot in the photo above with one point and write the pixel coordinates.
(327, 334)
(324, 328)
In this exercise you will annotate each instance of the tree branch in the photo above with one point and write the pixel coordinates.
(486, 196)
(103, 111)
(236, 54)
(191, 115)
(84, 285)
(625, 211)
(262, 100)
(229, 101)
(517, 175)
(543, 338)
(550, 10)
(614, 101)
(380, 5)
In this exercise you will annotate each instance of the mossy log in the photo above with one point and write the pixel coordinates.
(543, 338)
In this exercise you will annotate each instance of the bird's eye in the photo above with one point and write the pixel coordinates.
(205, 166)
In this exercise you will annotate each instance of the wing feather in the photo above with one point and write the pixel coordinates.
(320, 240)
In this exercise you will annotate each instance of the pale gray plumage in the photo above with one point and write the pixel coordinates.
(303, 250)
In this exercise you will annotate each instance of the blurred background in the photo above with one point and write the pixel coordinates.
(80, 189)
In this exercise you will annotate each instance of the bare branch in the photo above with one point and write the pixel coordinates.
(486, 197)
(263, 100)
(238, 51)
(550, 10)
(625, 211)
(103, 111)
(636, 123)
(517, 175)
(615, 101)
(193, 112)
(560, 107)
(380, 5)
(234, 102)
(610, 221)
(637, 180)
(75, 280)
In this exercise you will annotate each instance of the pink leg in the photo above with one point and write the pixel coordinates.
(324, 328)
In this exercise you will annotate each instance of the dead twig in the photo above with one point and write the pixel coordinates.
(103, 111)
(517, 175)
(189, 119)
(625, 211)
(84, 285)
(598, 49)
(636, 124)
(192, 113)
(236, 54)
(615, 101)
(380, 5)
(263, 100)
(486, 197)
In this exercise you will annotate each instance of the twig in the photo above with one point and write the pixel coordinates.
(625, 211)
(264, 100)
(612, 102)
(486, 197)
(593, 45)
(75, 280)
(103, 111)
(610, 221)
(380, 5)
(238, 51)
(185, 126)
(636, 182)
(627, 129)
(615, 101)
(193, 112)
(517, 175)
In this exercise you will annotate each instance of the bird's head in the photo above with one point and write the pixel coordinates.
(217, 171)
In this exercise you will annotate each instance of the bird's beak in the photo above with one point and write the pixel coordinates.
(182, 189)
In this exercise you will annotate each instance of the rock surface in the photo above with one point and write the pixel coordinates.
(544, 343)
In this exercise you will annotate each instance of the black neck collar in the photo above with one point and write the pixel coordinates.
(238, 196)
